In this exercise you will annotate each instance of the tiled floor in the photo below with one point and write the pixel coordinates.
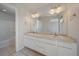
(10, 51)
(5, 51)
(26, 52)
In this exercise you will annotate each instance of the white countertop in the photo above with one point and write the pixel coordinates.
(52, 37)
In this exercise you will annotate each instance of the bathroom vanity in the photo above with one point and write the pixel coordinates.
(43, 34)
(51, 45)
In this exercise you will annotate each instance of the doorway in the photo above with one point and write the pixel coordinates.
(7, 30)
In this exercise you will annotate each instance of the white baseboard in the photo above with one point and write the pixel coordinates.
(6, 42)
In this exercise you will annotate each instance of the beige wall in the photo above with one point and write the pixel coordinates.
(73, 22)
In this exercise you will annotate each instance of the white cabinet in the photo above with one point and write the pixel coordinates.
(67, 49)
(47, 48)
(29, 43)
(64, 52)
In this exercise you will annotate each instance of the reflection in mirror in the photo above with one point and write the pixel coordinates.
(48, 24)
(50, 21)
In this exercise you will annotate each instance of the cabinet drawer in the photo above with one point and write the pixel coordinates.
(46, 48)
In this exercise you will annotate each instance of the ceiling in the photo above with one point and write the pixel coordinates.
(9, 10)
(34, 6)
(41, 8)
(30, 7)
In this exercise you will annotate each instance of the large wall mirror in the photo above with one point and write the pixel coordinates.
(48, 24)
(52, 22)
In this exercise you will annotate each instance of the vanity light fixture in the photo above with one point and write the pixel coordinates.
(4, 10)
(56, 10)
(35, 15)
(59, 9)
(52, 11)
(74, 14)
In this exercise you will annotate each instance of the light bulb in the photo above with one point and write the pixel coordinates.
(35, 15)
(59, 9)
(4, 10)
(52, 11)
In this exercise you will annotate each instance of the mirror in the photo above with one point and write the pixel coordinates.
(44, 22)
(48, 24)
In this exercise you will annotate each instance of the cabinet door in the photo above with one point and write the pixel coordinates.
(51, 50)
(28, 42)
(64, 51)
(46, 48)
(67, 49)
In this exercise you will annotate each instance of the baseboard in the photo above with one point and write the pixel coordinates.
(6, 42)
(18, 49)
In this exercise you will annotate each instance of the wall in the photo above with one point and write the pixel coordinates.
(73, 22)
(21, 27)
(7, 28)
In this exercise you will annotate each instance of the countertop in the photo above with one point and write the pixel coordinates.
(63, 38)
